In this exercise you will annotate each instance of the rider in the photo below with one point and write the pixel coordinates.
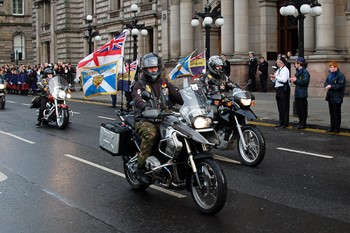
(48, 74)
(161, 92)
(215, 80)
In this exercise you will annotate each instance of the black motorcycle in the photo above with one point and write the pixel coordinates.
(182, 159)
(231, 123)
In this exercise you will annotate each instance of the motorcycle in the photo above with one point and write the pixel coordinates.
(57, 109)
(233, 112)
(2, 95)
(182, 159)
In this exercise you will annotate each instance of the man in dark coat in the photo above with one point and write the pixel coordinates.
(253, 65)
(263, 70)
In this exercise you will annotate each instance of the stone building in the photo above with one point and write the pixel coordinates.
(60, 32)
(16, 35)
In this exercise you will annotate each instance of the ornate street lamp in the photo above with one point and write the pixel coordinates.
(91, 35)
(208, 17)
(299, 9)
(135, 29)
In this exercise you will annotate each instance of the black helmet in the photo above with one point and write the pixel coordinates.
(48, 71)
(213, 62)
(151, 60)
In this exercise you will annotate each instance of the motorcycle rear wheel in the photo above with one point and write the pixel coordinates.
(255, 152)
(130, 175)
(211, 197)
(63, 118)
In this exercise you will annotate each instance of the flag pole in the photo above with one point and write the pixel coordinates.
(122, 89)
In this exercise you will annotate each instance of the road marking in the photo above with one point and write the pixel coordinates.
(178, 195)
(9, 101)
(26, 104)
(306, 153)
(221, 158)
(77, 113)
(17, 137)
(2, 176)
(107, 118)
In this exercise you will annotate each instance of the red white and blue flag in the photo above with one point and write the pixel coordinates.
(110, 52)
(197, 64)
(125, 82)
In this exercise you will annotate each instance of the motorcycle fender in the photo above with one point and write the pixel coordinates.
(248, 113)
(63, 106)
(191, 133)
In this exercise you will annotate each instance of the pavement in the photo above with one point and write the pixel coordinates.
(265, 108)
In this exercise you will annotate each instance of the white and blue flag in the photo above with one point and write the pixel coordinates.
(100, 80)
(182, 68)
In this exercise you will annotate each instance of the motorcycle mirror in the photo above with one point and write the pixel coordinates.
(145, 95)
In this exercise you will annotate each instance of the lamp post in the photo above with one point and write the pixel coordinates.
(135, 28)
(299, 9)
(208, 17)
(91, 35)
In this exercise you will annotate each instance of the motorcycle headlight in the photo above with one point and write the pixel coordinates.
(201, 122)
(246, 102)
(68, 96)
(61, 94)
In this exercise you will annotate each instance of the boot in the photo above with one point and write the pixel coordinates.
(38, 123)
(141, 176)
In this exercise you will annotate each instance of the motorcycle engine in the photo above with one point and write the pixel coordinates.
(152, 162)
(225, 143)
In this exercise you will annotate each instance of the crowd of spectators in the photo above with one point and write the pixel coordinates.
(23, 79)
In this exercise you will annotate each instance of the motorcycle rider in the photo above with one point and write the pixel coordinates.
(161, 92)
(215, 80)
(48, 74)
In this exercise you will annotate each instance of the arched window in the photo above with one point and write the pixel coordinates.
(19, 46)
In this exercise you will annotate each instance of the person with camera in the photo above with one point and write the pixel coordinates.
(48, 74)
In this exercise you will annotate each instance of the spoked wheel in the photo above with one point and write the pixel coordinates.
(255, 151)
(210, 195)
(130, 174)
(62, 118)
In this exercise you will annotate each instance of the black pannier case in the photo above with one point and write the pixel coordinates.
(115, 138)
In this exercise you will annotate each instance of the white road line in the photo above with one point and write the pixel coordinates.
(9, 101)
(17, 137)
(178, 195)
(2, 176)
(221, 158)
(108, 118)
(26, 104)
(77, 113)
(306, 153)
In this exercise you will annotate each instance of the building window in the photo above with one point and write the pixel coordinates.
(18, 7)
(18, 47)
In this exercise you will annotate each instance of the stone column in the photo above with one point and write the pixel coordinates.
(325, 40)
(165, 32)
(268, 25)
(227, 30)
(241, 28)
(186, 30)
(309, 35)
(175, 29)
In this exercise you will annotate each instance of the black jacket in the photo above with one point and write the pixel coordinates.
(162, 92)
(338, 83)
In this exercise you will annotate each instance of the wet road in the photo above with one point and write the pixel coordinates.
(60, 181)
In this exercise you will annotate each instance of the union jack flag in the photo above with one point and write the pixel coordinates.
(109, 52)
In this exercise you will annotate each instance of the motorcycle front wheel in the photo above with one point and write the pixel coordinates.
(210, 195)
(62, 118)
(255, 151)
(130, 175)
(2, 102)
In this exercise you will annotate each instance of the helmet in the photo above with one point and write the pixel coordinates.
(213, 62)
(151, 60)
(48, 71)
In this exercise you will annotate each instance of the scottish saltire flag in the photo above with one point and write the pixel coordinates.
(125, 80)
(100, 80)
(198, 64)
(109, 52)
(182, 68)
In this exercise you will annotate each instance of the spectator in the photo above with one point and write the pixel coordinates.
(263, 69)
(253, 65)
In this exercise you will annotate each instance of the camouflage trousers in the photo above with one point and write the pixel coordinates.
(149, 137)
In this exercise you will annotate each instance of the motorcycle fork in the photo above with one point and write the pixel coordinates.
(193, 165)
(240, 132)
